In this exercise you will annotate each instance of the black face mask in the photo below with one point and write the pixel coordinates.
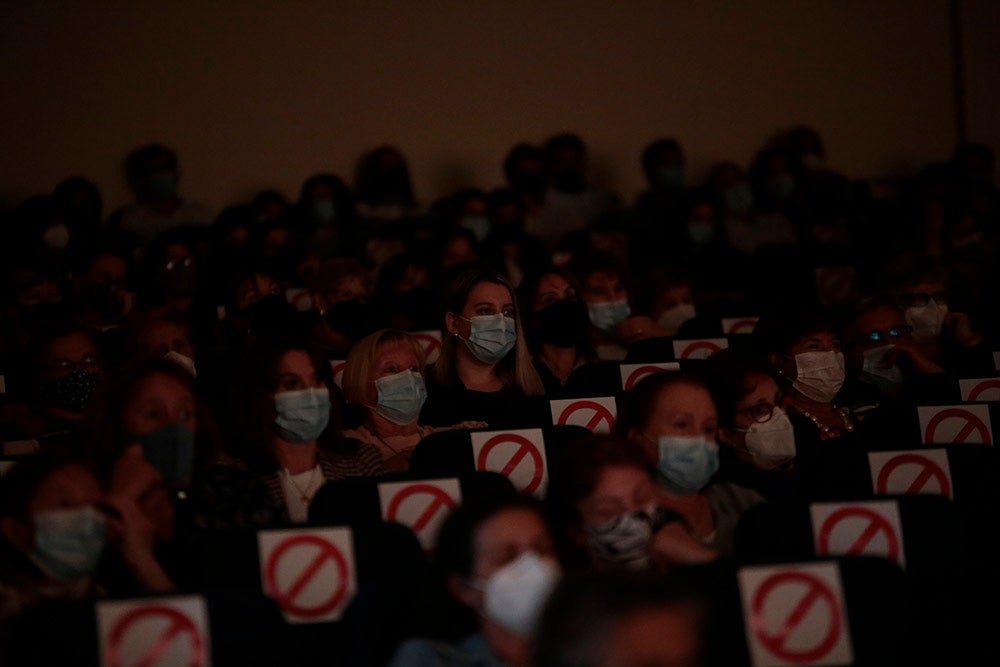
(350, 318)
(563, 324)
(272, 313)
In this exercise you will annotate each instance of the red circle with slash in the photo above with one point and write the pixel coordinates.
(601, 413)
(327, 553)
(525, 448)
(179, 623)
(877, 524)
(816, 592)
(973, 423)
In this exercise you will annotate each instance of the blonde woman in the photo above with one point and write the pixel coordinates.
(484, 372)
(384, 375)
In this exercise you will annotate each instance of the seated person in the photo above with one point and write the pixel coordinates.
(384, 376)
(496, 558)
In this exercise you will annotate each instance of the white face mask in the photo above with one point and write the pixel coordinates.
(516, 593)
(927, 321)
(879, 370)
(673, 317)
(56, 237)
(819, 375)
(772, 443)
(182, 360)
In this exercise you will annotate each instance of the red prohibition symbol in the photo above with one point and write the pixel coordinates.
(930, 469)
(430, 343)
(439, 499)
(179, 624)
(640, 373)
(525, 448)
(286, 599)
(877, 524)
(742, 326)
(972, 423)
(601, 413)
(978, 390)
(700, 345)
(816, 592)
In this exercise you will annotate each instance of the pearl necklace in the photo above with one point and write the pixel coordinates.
(825, 428)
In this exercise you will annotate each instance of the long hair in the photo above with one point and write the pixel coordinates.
(255, 411)
(516, 369)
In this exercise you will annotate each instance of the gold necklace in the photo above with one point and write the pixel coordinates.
(304, 495)
(825, 428)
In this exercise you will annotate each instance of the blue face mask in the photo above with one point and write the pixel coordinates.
(609, 314)
(68, 543)
(701, 232)
(163, 184)
(670, 177)
(302, 415)
(739, 198)
(781, 186)
(324, 210)
(687, 463)
(491, 337)
(401, 396)
(170, 450)
(478, 225)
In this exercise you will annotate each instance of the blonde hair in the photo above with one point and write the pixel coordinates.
(364, 355)
(516, 370)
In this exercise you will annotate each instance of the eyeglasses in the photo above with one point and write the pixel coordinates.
(901, 331)
(921, 299)
(760, 413)
(88, 363)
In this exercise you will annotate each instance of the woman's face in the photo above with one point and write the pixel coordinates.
(551, 288)
(254, 289)
(603, 287)
(394, 357)
(68, 353)
(69, 487)
(819, 341)
(159, 400)
(164, 336)
(295, 371)
(485, 298)
(681, 409)
(505, 536)
(763, 394)
(620, 489)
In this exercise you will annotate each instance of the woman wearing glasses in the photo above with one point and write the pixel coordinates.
(758, 439)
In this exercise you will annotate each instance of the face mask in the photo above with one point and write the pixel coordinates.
(182, 360)
(491, 337)
(879, 370)
(701, 233)
(479, 225)
(68, 543)
(169, 449)
(927, 321)
(302, 415)
(671, 178)
(687, 463)
(772, 443)
(738, 198)
(608, 314)
(781, 187)
(56, 237)
(516, 593)
(673, 317)
(71, 392)
(819, 375)
(163, 185)
(624, 540)
(563, 323)
(401, 396)
(324, 210)
(271, 313)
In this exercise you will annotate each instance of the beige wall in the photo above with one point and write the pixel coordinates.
(254, 94)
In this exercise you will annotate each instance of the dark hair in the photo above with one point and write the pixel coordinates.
(516, 154)
(652, 152)
(565, 141)
(257, 402)
(788, 321)
(454, 551)
(19, 485)
(580, 468)
(528, 288)
(586, 608)
(726, 373)
(369, 177)
(104, 427)
(137, 161)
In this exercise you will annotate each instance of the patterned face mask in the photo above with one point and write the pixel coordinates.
(70, 392)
